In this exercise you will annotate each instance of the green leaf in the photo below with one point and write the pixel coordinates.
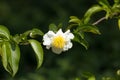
(4, 56)
(10, 57)
(14, 57)
(119, 23)
(92, 78)
(88, 75)
(38, 51)
(60, 25)
(17, 38)
(90, 12)
(88, 28)
(80, 33)
(104, 3)
(116, 9)
(83, 42)
(74, 19)
(34, 32)
(71, 26)
(4, 32)
(106, 6)
(53, 27)
(116, 1)
(77, 79)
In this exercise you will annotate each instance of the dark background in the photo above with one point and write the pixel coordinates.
(101, 59)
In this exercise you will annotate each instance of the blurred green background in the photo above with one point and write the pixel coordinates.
(102, 59)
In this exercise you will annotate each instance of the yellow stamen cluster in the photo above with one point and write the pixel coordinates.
(58, 42)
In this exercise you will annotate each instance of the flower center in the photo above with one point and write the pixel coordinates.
(58, 42)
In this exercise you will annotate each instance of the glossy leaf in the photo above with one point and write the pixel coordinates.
(89, 28)
(34, 32)
(14, 57)
(119, 23)
(4, 56)
(90, 12)
(10, 57)
(38, 51)
(4, 32)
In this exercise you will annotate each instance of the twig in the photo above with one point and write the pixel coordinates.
(98, 21)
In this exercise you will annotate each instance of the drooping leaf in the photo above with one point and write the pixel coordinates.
(80, 33)
(53, 27)
(4, 56)
(89, 28)
(83, 42)
(119, 23)
(90, 12)
(10, 57)
(14, 57)
(4, 32)
(38, 51)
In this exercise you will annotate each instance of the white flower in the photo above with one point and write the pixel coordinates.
(58, 41)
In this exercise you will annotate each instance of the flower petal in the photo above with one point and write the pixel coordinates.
(57, 50)
(50, 34)
(69, 35)
(47, 41)
(68, 46)
(49, 37)
(59, 32)
(48, 46)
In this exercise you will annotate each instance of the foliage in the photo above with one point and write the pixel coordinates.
(9, 44)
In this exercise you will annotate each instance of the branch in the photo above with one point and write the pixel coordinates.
(98, 21)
